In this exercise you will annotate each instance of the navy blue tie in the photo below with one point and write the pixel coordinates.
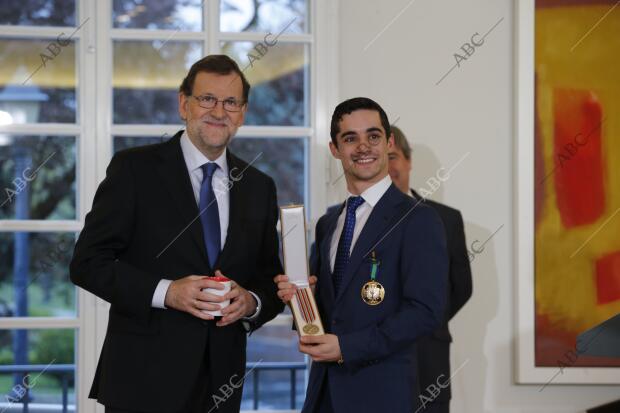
(344, 244)
(209, 213)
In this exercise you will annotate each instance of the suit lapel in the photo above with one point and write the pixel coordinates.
(324, 250)
(383, 218)
(173, 173)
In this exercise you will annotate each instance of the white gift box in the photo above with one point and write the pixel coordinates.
(294, 252)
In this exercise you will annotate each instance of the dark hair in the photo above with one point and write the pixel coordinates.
(215, 63)
(401, 142)
(351, 105)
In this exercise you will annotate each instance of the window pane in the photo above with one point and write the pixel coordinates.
(126, 142)
(281, 158)
(273, 353)
(34, 275)
(45, 360)
(280, 82)
(147, 76)
(38, 12)
(37, 177)
(158, 14)
(37, 81)
(269, 16)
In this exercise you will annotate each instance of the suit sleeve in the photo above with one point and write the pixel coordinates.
(269, 266)
(424, 271)
(97, 265)
(460, 270)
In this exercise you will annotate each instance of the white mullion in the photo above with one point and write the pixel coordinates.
(86, 358)
(165, 35)
(100, 149)
(34, 225)
(37, 32)
(255, 37)
(31, 323)
(41, 129)
(327, 91)
(213, 26)
(274, 131)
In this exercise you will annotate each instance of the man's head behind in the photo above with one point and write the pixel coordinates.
(400, 160)
(212, 101)
(361, 137)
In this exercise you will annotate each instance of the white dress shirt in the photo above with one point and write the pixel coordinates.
(371, 196)
(194, 159)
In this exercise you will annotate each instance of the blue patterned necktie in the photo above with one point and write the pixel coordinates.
(209, 213)
(344, 244)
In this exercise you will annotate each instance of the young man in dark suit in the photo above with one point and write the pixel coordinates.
(166, 217)
(434, 349)
(381, 265)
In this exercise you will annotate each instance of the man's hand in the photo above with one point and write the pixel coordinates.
(286, 289)
(242, 304)
(185, 295)
(325, 348)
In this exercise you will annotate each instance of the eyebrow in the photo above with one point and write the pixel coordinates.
(213, 95)
(374, 129)
(369, 130)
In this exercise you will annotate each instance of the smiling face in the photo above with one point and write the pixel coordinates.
(210, 130)
(362, 147)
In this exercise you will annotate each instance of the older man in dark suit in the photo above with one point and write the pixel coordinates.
(434, 349)
(166, 217)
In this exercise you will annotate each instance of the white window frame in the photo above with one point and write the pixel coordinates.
(85, 357)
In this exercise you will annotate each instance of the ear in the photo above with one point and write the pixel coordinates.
(390, 143)
(334, 150)
(183, 103)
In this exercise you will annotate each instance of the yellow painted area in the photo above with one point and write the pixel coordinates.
(565, 287)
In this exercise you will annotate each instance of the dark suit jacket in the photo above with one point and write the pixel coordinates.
(151, 358)
(378, 342)
(434, 349)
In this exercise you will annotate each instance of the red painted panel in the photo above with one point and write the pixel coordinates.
(579, 186)
(608, 278)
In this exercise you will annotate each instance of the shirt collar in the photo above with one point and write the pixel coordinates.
(195, 159)
(373, 194)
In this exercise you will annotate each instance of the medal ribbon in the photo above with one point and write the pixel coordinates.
(373, 270)
(307, 312)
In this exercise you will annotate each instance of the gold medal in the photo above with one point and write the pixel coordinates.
(373, 293)
(311, 329)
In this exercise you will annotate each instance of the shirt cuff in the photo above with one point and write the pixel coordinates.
(258, 308)
(159, 296)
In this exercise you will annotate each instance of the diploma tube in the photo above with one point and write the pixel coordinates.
(294, 251)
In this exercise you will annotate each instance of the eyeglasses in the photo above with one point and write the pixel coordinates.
(209, 102)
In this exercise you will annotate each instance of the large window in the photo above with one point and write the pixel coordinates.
(83, 79)
(40, 136)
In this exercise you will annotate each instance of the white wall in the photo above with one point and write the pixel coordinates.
(470, 111)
